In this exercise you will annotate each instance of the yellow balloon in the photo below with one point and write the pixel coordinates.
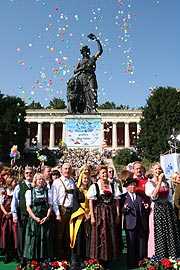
(52, 49)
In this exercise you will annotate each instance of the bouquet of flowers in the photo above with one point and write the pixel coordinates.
(92, 264)
(156, 263)
(149, 263)
(60, 265)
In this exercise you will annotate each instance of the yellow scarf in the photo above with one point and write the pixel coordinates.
(79, 215)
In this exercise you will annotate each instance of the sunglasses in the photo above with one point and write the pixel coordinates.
(28, 172)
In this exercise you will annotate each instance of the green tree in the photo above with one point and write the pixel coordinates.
(112, 106)
(125, 156)
(159, 117)
(57, 103)
(51, 157)
(13, 128)
(34, 105)
(123, 107)
(107, 105)
(31, 158)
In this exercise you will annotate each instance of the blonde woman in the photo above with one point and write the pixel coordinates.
(38, 239)
(163, 233)
(174, 180)
(79, 222)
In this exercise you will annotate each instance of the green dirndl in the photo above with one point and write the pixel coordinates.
(38, 239)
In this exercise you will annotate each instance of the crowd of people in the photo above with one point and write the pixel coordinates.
(79, 157)
(78, 213)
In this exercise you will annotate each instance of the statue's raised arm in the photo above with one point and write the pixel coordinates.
(100, 49)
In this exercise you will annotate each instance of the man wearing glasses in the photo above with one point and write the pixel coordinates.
(110, 174)
(142, 179)
(18, 209)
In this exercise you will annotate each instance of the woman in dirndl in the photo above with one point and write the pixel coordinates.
(163, 233)
(38, 239)
(9, 236)
(104, 210)
(80, 218)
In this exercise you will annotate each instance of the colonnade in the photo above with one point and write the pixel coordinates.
(118, 127)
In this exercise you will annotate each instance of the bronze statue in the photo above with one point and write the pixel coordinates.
(82, 88)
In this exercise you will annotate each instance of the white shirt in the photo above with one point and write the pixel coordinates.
(28, 197)
(2, 196)
(132, 195)
(58, 193)
(91, 194)
(149, 188)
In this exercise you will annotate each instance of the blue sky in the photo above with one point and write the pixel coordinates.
(41, 41)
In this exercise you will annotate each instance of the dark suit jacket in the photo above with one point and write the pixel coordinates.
(130, 216)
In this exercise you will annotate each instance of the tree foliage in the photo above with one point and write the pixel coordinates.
(107, 105)
(123, 107)
(160, 115)
(111, 105)
(125, 156)
(13, 128)
(30, 158)
(34, 105)
(57, 103)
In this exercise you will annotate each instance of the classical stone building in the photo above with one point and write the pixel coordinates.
(48, 127)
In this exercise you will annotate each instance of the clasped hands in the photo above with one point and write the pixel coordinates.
(8, 214)
(41, 221)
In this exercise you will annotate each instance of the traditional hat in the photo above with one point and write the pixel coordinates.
(129, 181)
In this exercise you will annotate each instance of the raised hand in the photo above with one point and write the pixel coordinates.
(92, 36)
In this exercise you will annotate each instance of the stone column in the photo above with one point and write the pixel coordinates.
(51, 136)
(114, 135)
(127, 143)
(64, 132)
(102, 132)
(39, 135)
